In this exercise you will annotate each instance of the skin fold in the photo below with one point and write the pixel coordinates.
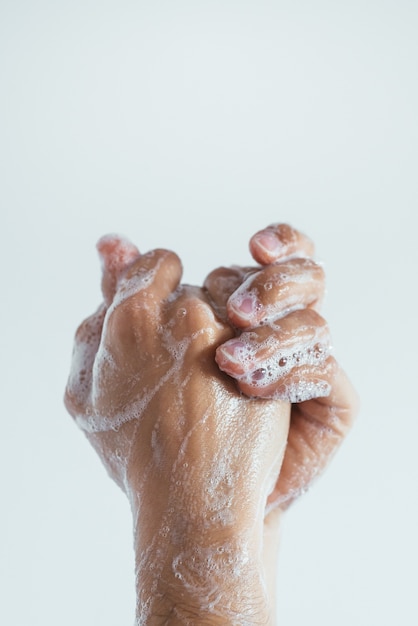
(212, 408)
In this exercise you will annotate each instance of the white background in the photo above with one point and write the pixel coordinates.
(190, 125)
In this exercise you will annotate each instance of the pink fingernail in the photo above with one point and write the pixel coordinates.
(268, 241)
(232, 350)
(230, 357)
(245, 306)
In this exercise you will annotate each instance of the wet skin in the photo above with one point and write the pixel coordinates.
(189, 396)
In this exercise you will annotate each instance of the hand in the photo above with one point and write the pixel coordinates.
(282, 350)
(195, 457)
(144, 384)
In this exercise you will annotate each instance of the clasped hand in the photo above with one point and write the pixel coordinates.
(210, 406)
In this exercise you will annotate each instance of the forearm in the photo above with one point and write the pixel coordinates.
(192, 576)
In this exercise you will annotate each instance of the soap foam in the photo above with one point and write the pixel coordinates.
(85, 348)
(290, 299)
(280, 363)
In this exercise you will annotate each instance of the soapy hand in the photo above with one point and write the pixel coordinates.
(209, 407)
(282, 350)
(148, 352)
(195, 457)
(144, 384)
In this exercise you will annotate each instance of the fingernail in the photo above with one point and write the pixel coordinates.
(230, 356)
(232, 350)
(268, 241)
(245, 305)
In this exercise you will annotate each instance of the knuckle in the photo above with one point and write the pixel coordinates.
(122, 323)
(195, 312)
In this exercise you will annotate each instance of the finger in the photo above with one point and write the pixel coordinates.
(222, 282)
(132, 331)
(278, 242)
(317, 429)
(302, 383)
(116, 255)
(139, 299)
(86, 344)
(286, 360)
(275, 290)
(155, 275)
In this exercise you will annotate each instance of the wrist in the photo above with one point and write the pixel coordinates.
(191, 575)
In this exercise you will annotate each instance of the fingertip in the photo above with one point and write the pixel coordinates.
(278, 242)
(157, 272)
(116, 251)
(265, 247)
(116, 254)
(244, 308)
(228, 356)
